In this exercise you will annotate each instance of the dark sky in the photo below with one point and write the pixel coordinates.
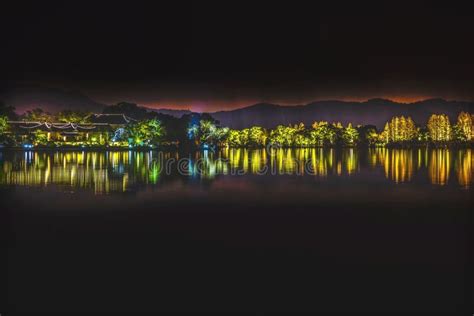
(228, 55)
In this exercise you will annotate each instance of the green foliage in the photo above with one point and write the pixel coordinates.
(255, 136)
(350, 136)
(146, 132)
(207, 132)
(203, 132)
(98, 138)
(40, 137)
(458, 134)
(200, 129)
(69, 116)
(323, 134)
(233, 138)
(3, 125)
(301, 140)
(221, 134)
(282, 136)
(4, 128)
(371, 137)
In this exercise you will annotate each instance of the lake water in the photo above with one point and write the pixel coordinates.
(280, 230)
(130, 171)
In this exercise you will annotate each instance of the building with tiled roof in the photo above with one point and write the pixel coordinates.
(103, 126)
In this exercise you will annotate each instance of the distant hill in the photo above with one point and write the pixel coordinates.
(172, 112)
(374, 111)
(26, 97)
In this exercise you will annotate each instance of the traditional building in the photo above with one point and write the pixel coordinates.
(100, 129)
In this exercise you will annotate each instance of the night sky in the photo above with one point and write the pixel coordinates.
(230, 55)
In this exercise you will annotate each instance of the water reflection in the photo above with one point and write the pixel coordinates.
(105, 172)
(439, 166)
(399, 164)
(463, 166)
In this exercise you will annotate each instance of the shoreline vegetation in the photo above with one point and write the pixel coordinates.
(126, 126)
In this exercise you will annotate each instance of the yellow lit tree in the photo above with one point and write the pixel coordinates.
(4, 127)
(399, 129)
(463, 127)
(350, 135)
(439, 127)
(257, 136)
(385, 135)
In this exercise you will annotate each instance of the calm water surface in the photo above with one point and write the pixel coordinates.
(281, 230)
(111, 172)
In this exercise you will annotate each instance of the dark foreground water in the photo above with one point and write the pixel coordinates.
(239, 230)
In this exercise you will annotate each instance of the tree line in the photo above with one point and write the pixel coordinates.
(197, 130)
(399, 131)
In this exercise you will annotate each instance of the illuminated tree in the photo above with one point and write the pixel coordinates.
(253, 137)
(301, 140)
(207, 132)
(472, 127)
(3, 125)
(102, 138)
(457, 134)
(221, 134)
(372, 136)
(338, 129)
(4, 128)
(300, 137)
(146, 132)
(233, 138)
(463, 130)
(299, 127)
(244, 136)
(439, 128)
(282, 136)
(385, 135)
(256, 136)
(322, 134)
(203, 133)
(411, 132)
(350, 135)
(155, 130)
(289, 134)
(400, 129)
(193, 132)
(40, 137)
